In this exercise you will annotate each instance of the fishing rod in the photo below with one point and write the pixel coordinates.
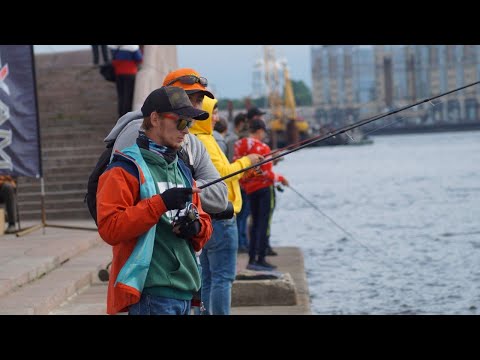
(294, 145)
(313, 138)
(338, 132)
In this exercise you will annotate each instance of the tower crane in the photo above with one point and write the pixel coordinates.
(282, 110)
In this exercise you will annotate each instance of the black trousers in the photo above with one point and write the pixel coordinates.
(96, 57)
(261, 209)
(125, 89)
(7, 196)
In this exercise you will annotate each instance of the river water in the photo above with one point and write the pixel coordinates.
(409, 206)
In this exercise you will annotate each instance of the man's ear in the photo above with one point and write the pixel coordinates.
(154, 118)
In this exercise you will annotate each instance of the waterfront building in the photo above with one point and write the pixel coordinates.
(353, 82)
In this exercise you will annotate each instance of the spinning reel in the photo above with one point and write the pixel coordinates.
(185, 217)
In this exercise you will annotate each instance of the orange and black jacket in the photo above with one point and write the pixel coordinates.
(131, 217)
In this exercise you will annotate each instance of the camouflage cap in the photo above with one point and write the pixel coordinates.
(171, 99)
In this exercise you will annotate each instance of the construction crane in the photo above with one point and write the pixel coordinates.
(282, 110)
(272, 84)
(290, 105)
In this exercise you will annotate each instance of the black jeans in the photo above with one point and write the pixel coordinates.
(96, 57)
(7, 196)
(261, 208)
(125, 89)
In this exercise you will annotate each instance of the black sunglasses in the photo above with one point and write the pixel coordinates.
(184, 123)
(181, 122)
(190, 80)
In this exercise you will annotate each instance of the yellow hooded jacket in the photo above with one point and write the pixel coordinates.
(203, 130)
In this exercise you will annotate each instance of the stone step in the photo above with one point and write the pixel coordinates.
(24, 259)
(72, 141)
(91, 300)
(76, 126)
(70, 161)
(87, 136)
(53, 196)
(50, 289)
(48, 178)
(82, 117)
(54, 186)
(51, 130)
(49, 204)
(91, 150)
(83, 170)
(279, 291)
(56, 214)
(71, 109)
(83, 121)
(69, 208)
(75, 115)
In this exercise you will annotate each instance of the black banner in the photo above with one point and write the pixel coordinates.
(20, 153)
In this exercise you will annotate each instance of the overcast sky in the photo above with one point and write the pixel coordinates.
(229, 68)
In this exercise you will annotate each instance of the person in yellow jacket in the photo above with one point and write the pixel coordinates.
(219, 257)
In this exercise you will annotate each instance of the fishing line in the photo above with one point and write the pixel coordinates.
(350, 235)
(400, 119)
(337, 132)
(312, 139)
(346, 133)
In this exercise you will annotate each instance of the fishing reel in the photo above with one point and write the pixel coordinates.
(186, 216)
(183, 223)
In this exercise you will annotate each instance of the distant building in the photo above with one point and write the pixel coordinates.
(353, 82)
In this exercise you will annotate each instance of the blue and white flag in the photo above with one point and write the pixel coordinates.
(20, 153)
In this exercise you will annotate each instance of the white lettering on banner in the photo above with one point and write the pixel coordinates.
(4, 112)
(5, 135)
(5, 141)
(3, 76)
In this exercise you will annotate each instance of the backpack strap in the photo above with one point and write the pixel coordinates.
(92, 184)
(183, 155)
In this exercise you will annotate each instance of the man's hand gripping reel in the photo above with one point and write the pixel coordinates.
(183, 223)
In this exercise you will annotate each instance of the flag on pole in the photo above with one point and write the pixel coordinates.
(20, 152)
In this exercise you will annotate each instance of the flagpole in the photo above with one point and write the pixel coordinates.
(40, 170)
(43, 224)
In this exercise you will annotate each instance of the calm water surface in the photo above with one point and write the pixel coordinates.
(410, 208)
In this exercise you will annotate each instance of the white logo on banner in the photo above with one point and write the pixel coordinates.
(5, 135)
(3, 76)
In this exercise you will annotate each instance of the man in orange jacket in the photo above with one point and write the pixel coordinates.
(149, 210)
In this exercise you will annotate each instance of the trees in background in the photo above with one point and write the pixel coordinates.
(303, 97)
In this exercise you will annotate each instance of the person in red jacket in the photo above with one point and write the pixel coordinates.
(259, 186)
(125, 61)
